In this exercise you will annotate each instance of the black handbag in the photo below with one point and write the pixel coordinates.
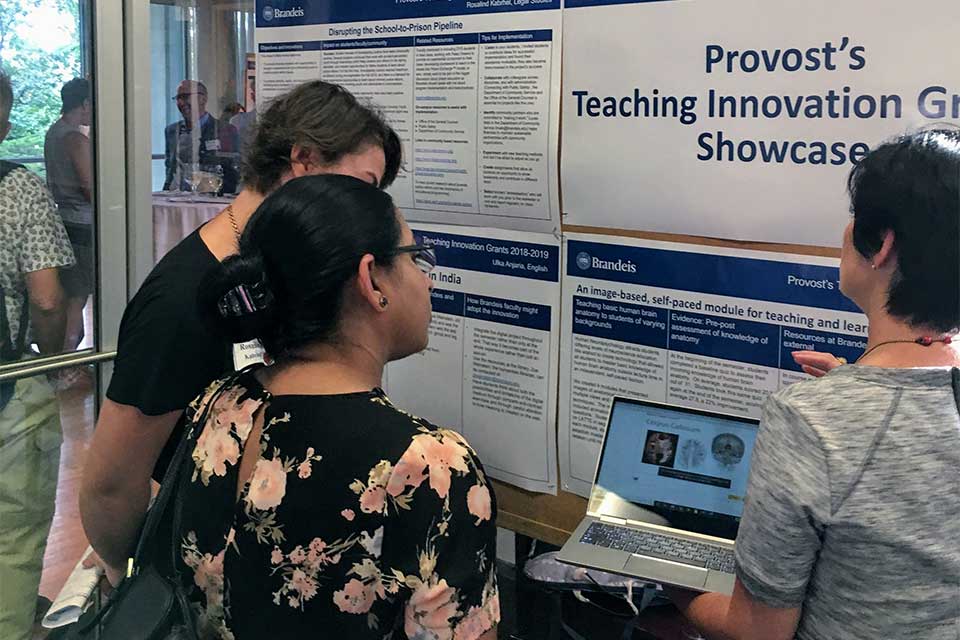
(147, 605)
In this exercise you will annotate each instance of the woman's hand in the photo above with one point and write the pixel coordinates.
(817, 363)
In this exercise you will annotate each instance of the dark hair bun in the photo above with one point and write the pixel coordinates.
(297, 253)
(239, 270)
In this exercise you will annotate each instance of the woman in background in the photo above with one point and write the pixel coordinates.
(229, 135)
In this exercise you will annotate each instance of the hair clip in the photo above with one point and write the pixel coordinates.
(244, 299)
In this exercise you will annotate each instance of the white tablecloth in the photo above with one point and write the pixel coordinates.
(175, 217)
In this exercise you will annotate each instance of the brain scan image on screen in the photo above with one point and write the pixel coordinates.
(692, 453)
(728, 449)
(661, 448)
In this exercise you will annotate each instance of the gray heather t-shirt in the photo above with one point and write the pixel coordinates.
(853, 506)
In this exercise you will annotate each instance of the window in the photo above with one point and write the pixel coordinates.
(203, 41)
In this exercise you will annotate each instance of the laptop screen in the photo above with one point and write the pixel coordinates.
(676, 467)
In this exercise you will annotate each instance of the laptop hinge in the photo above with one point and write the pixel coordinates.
(612, 520)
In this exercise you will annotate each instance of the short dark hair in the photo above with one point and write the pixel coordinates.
(6, 97)
(304, 244)
(231, 110)
(74, 93)
(322, 117)
(911, 186)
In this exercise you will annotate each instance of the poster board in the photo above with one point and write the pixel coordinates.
(659, 49)
(642, 199)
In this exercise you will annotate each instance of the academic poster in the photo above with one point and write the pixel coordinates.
(688, 325)
(471, 86)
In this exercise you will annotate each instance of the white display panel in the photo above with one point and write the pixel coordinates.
(788, 94)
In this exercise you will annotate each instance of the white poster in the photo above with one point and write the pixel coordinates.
(490, 371)
(471, 87)
(687, 325)
(741, 119)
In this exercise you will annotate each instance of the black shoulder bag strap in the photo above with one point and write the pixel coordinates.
(6, 353)
(174, 477)
(7, 167)
(170, 489)
(955, 375)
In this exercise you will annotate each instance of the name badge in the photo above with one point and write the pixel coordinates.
(213, 145)
(247, 353)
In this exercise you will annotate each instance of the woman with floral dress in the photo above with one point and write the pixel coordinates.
(312, 506)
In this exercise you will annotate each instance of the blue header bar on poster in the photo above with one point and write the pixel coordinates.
(452, 39)
(578, 4)
(367, 43)
(448, 302)
(760, 343)
(282, 47)
(749, 278)
(620, 321)
(508, 37)
(297, 13)
(725, 338)
(512, 312)
(839, 344)
(499, 37)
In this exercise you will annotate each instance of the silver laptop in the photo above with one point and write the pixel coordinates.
(667, 496)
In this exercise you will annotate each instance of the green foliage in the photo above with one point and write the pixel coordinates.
(37, 74)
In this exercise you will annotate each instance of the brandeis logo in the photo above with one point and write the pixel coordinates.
(270, 13)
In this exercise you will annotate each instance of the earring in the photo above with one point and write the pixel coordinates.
(873, 266)
(384, 302)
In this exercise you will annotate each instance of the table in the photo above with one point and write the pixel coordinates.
(176, 216)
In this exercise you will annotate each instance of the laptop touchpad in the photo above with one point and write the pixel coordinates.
(666, 571)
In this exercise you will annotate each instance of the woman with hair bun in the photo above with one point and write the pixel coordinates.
(313, 506)
(165, 353)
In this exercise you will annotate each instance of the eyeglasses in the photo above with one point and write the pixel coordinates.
(186, 96)
(424, 255)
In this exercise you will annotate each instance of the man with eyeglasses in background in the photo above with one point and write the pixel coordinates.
(194, 142)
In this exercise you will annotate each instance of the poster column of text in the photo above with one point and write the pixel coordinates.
(490, 370)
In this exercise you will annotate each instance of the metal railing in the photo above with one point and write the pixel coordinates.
(27, 160)
(36, 366)
(39, 159)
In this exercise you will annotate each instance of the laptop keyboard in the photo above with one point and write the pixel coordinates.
(655, 545)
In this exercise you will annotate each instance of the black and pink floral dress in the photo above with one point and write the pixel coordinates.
(359, 521)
